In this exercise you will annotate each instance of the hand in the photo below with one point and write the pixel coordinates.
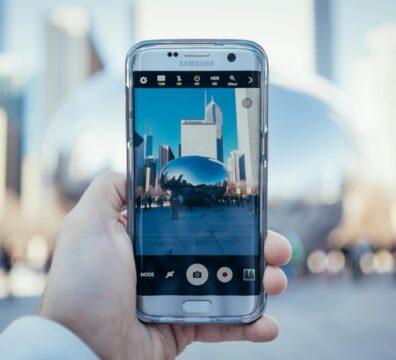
(91, 287)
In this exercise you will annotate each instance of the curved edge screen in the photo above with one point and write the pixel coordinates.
(196, 183)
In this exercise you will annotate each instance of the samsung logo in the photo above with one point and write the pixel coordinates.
(196, 63)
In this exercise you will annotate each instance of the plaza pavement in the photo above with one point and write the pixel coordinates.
(204, 231)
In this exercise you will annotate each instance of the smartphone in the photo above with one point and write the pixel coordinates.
(196, 113)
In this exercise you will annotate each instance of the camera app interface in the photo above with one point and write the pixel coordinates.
(196, 182)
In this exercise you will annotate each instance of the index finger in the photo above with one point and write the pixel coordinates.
(277, 249)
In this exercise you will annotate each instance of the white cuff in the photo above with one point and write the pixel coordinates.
(33, 337)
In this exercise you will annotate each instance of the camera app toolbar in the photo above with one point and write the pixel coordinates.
(191, 79)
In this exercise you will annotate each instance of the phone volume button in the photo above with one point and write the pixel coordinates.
(265, 163)
(263, 145)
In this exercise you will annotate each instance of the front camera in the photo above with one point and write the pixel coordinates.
(231, 57)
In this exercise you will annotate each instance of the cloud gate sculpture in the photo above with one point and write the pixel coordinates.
(195, 177)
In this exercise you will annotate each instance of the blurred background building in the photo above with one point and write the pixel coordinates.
(2, 30)
(71, 57)
(332, 174)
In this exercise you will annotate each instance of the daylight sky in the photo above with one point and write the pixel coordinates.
(304, 139)
(173, 105)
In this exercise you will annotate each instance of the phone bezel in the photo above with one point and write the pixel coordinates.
(145, 57)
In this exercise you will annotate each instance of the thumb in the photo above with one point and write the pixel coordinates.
(104, 198)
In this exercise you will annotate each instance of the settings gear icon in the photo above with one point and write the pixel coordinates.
(143, 80)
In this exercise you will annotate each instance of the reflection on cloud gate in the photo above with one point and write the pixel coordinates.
(194, 176)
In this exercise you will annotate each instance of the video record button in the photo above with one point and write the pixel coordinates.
(197, 274)
(224, 274)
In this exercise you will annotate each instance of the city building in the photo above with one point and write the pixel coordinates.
(323, 38)
(236, 167)
(204, 137)
(165, 155)
(2, 27)
(71, 56)
(198, 138)
(12, 101)
(214, 115)
(150, 173)
(139, 160)
(148, 145)
(20, 168)
(248, 131)
(3, 159)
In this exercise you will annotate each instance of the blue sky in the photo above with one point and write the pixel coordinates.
(162, 109)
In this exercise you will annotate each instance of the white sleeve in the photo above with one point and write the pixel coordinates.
(33, 337)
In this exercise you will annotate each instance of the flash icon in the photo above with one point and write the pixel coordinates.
(169, 274)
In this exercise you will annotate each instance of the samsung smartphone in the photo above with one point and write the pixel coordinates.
(197, 178)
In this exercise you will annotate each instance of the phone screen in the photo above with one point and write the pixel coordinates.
(196, 182)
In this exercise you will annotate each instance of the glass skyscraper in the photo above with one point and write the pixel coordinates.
(165, 154)
(214, 115)
(248, 128)
(148, 146)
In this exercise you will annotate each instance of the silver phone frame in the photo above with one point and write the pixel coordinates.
(263, 171)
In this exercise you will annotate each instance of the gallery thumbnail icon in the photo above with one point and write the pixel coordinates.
(249, 274)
